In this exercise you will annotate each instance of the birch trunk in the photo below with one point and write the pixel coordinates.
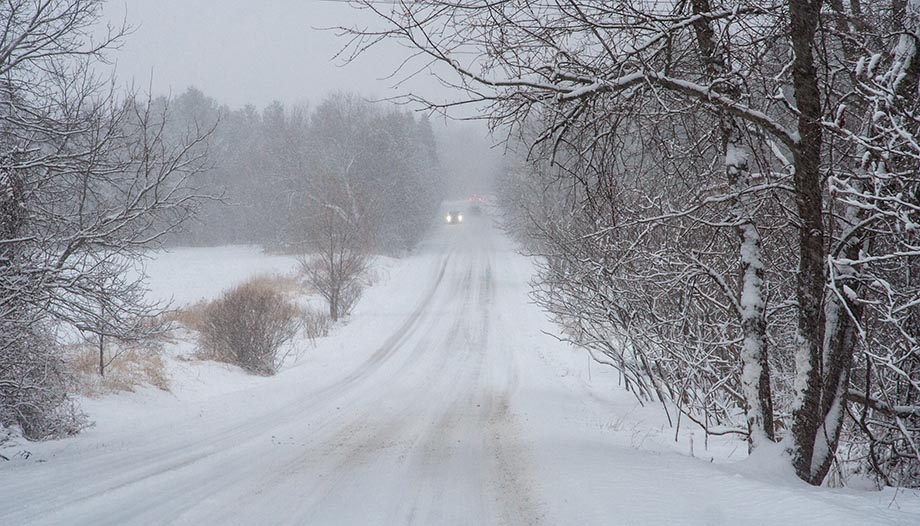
(755, 375)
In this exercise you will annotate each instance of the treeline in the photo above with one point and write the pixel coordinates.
(268, 169)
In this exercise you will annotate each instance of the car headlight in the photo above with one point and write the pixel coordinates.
(459, 218)
(448, 218)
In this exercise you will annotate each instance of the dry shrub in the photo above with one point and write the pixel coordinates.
(191, 317)
(279, 283)
(249, 325)
(128, 365)
(316, 324)
(194, 316)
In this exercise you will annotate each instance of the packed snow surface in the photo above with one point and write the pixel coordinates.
(441, 401)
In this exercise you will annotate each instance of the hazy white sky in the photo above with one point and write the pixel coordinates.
(257, 51)
(254, 51)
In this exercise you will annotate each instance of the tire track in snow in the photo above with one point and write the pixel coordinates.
(401, 429)
(358, 442)
(512, 484)
(438, 448)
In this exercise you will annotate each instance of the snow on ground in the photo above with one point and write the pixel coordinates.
(187, 275)
(440, 401)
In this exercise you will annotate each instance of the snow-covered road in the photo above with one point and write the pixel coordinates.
(441, 402)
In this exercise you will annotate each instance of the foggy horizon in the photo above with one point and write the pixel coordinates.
(243, 55)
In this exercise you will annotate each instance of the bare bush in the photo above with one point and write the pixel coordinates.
(34, 389)
(315, 324)
(248, 326)
(351, 293)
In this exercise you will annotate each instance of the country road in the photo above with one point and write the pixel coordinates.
(446, 407)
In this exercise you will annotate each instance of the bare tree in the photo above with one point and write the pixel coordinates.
(337, 246)
(89, 183)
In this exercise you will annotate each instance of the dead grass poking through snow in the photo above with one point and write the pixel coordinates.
(135, 365)
(280, 283)
(191, 317)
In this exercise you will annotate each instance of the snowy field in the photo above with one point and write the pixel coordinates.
(440, 401)
(187, 275)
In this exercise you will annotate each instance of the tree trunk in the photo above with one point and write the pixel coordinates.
(334, 305)
(810, 280)
(101, 355)
(755, 376)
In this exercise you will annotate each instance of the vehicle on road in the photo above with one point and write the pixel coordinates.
(454, 217)
(475, 203)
